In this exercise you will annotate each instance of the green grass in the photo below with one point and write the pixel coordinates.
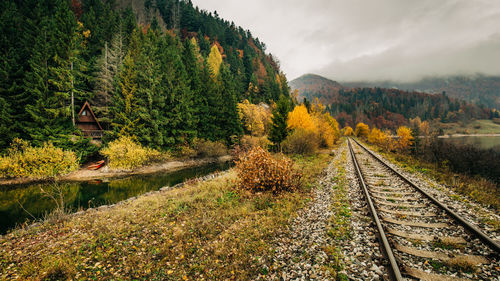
(473, 127)
(438, 266)
(440, 245)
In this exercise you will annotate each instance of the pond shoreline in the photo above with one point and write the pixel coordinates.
(467, 135)
(83, 174)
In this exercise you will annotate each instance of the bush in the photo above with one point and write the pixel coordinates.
(301, 142)
(258, 171)
(23, 160)
(248, 142)
(463, 158)
(348, 131)
(185, 151)
(206, 148)
(126, 153)
(362, 130)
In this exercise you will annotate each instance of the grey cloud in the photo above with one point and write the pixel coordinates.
(373, 39)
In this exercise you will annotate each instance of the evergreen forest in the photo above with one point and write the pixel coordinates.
(165, 82)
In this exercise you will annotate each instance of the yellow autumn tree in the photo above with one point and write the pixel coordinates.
(405, 138)
(377, 137)
(390, 143)
(300, 118)
(317, 107)
(196, 47)
(255, 118)
(304, 136)
(214, 60)
(326, 133)
(333, 124)
(362, 130)
(327, 127)
(348, 131)
(421, 129)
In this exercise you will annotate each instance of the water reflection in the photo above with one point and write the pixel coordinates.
(23, 203)
(477, 141)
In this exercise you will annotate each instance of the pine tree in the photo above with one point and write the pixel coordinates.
(109, 67)
(50, 80)
(191, 59)
(151, 101)
(15, 51)
(208, 105)
(79, 71)
(204, 44)
(279, 128)
(5, 121)
(179, 97)
(124, 110)
(228, 120)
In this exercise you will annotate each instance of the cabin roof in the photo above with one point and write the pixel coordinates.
(87, 105)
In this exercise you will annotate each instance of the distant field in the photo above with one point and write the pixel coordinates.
(474, 127)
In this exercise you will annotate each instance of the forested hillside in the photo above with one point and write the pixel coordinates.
(312, 86)
(388, 108)
(164, 80)
(478, 89)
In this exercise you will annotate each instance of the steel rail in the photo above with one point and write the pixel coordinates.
(472, 228)
(395, 271)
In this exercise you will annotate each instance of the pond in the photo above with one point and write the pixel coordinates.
(23, 203)
(484, 142)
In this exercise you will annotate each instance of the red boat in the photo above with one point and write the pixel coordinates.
(96, 166)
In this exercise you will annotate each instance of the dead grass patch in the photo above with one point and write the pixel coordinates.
(206, 230)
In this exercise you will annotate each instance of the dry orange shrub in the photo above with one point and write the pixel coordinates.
(259, 171)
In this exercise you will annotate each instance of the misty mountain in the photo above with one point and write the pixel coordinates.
(385, 107)
(312, 86)
(478, 89)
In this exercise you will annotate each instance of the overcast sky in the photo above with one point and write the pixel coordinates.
(349, 40)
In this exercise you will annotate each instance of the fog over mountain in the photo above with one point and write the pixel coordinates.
(402, 40)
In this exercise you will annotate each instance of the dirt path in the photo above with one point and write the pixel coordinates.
(83, 174)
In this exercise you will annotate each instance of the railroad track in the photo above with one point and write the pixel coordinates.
(420, 237)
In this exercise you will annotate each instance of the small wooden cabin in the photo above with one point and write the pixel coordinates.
(88, 123)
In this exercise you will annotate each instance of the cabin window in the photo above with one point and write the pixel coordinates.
(84, 113)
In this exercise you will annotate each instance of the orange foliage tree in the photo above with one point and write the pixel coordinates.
(300, 118)
(362, 130)
(390, 143)
(405, 138)
(255, 118)
(377, 137)
(319, 122)
(326, 126)
(348, 131)
(318, 126)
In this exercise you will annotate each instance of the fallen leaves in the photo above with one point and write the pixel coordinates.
(147, 238)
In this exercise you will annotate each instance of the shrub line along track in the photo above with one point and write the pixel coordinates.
(375, 204)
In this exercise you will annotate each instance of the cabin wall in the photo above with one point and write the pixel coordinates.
(88, 126)
(83, 118)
